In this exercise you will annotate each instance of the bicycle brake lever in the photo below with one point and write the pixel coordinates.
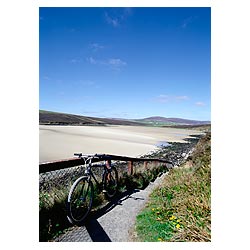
(78, 154)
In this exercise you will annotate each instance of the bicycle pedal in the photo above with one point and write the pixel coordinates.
(70, 220)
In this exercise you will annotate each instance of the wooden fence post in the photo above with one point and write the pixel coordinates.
(108, 164)
(130, 167)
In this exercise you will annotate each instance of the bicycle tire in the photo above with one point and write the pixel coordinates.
(80, 200)
(110, 182)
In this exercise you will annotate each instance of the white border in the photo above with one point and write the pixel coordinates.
(125, 3)
(19, 123)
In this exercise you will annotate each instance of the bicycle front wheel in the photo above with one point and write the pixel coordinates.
(80, 200)
(110, 182)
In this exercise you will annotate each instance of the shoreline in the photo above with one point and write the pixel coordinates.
(177, 152)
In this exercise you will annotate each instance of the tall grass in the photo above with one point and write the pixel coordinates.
(180, 210)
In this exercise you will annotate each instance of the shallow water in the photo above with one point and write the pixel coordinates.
(161, 144)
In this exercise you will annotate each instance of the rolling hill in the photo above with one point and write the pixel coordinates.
(56, 118)
(172, 121)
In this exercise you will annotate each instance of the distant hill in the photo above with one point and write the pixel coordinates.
(171, 121)
(57, 118)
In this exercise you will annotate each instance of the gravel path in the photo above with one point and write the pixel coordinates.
(114, 222)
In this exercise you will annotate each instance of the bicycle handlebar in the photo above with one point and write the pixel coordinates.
(88, 158)
(78, 154)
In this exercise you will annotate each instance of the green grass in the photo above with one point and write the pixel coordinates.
(180, 210)
(151, 224)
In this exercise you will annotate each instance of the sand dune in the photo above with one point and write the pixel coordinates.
(60, 142)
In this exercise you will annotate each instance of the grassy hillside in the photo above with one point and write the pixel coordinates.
(180, 210)
(56, 118)
(163, 121)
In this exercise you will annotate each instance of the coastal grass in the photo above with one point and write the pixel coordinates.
(180, 209)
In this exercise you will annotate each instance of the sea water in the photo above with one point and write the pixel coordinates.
(162, 144)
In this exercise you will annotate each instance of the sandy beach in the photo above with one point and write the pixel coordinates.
(61, 142)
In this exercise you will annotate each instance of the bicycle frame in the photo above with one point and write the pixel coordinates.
(90, 175)
(88, 170)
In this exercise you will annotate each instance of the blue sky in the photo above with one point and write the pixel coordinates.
(126, 62)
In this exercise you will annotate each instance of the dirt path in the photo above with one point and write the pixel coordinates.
(115, 221)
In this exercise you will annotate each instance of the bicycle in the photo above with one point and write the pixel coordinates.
(81, 193)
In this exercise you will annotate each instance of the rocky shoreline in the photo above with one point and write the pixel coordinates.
(176, 152)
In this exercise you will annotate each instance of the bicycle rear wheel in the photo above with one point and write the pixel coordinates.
(80, 200)
(110, 182)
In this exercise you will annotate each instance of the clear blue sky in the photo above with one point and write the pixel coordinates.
(126, 62)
